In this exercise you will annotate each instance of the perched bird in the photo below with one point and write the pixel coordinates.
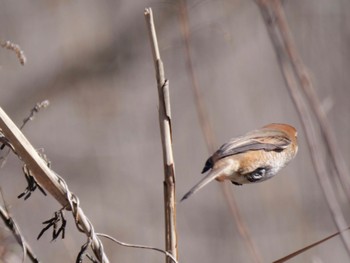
(253, 157)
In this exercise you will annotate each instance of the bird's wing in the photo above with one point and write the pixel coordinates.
(273, 140)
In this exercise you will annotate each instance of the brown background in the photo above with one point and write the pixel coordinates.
(92, 60)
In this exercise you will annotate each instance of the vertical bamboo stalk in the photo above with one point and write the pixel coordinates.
(166, 136)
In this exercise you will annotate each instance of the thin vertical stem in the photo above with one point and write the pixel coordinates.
(12, 225)
(309, 90)
(166, 137)
(278, 41)
(209, 135)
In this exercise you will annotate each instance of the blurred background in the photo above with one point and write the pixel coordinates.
(92, 60)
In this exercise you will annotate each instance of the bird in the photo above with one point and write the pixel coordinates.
(254, 157)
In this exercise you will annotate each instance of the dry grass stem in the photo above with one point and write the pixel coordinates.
(37, 107)
(166, 137)
(270, 17)
(43, 174)
(205, 124)
(309, 90)
(138, 246)
(30, 117)
(50, 181)
(13, 227)
(209, 135)
(242, 228)
(298, 252)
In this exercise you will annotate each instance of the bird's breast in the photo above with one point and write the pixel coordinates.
(244, 167)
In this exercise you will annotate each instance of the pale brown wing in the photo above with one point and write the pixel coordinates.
(273, 140)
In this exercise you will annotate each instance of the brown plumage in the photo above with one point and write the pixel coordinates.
(253, 157)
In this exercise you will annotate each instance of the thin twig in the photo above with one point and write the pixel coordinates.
(298, 252)
(12, 225)
(49, 180)
(242, 228)
(206, 126)
(209, 135)
(269, 16)
(138, 246)
(37, 107)
(166, 137)
(15, 48)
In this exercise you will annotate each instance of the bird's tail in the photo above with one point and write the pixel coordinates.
(205, 180)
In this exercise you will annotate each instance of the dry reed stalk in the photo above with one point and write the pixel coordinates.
(209, 135)
(270, 17)
(50, 181)
(166, 137)
(309, 90)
